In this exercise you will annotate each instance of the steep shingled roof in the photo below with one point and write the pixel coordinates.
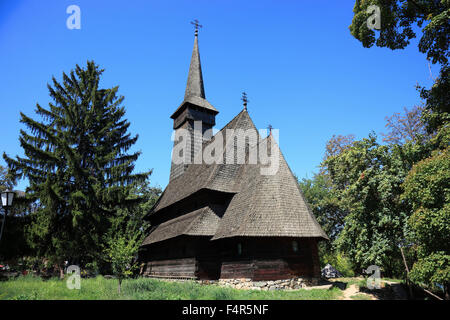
(269, 205)
(219, 177)
(201, 222)
(195, 90)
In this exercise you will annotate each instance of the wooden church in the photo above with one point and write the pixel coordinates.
(222, 220)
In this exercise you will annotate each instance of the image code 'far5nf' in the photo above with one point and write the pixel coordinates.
(237, 309)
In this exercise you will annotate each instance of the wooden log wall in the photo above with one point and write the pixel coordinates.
(172, 268)
(253, 258)
(270, 259)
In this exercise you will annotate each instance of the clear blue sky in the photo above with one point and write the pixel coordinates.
(303, 71)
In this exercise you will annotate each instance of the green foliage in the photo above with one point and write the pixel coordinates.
(121, 249)
(338, 260)
(368, 177)
(325, 203)
(128, 230)
(78, 167)
(432, 269)
(427, 188)
(436, 113)
(397, 21)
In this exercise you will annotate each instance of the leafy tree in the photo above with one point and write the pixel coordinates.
(398, 19)
(127, 231)
(368, 177)
(427, 188)
(326, 204)
(121, 249)
(436, 115)
(78, 166)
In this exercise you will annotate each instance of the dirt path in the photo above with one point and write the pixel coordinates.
(393, 291)
(353, 290)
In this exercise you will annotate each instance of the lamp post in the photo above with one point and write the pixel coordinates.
(6, 202)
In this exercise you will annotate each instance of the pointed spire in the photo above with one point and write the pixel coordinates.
(194, 86)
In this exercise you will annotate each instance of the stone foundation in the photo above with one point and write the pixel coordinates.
(287, 284)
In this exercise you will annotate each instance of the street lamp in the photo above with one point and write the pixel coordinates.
(6, 201)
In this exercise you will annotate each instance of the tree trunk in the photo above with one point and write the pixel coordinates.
(120, 284)
(411, 294)
(447, 291)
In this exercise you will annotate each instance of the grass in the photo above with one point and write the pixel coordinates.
(99, 288)
(361, 296)
(393, 280)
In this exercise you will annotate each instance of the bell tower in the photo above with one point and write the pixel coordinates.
(194, 112)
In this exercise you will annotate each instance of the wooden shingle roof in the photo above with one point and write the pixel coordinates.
(269, 206)
(219, 177)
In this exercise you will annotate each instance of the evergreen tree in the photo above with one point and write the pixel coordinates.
(78, 166)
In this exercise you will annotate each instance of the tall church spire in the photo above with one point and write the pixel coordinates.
(194, 86)
(194, 109)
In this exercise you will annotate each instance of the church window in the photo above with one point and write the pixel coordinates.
(295, 246)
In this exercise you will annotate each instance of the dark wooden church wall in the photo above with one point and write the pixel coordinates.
(171, 258)
(184, 256)
(207, 254)
(270, 258)
(258, 258)
(179, 268)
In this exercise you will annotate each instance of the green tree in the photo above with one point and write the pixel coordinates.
(121, 250)
(127, 231)
(326, 204)
(368, 177)
(436, 114)
(128, 224)
(78, 166)
(398, 18)
(427, 189)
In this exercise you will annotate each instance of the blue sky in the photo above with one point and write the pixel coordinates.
(302, 70)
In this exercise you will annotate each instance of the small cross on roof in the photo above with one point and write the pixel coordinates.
(244, 100)
(197, 25)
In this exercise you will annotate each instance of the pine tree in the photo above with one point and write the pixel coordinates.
(78, 167)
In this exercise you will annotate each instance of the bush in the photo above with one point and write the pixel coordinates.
(338, 260)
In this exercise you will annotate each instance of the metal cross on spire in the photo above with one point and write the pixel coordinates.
(197, 25)
(244, 100)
